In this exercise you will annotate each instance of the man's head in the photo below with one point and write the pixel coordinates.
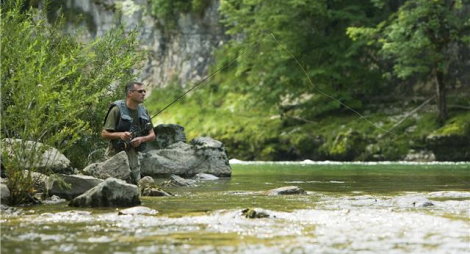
(135, 91)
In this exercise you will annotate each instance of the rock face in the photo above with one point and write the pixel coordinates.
(202, 155)
(36, 155)
(182, 52)
(110, 193)
(116, 166)
(79, 184)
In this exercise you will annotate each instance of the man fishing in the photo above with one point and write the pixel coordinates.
(128, 126)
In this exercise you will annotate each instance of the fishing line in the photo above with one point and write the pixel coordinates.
(201, 82)
(389, 131)
(361, 116)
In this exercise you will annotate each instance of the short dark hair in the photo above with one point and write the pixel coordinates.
(131, 84)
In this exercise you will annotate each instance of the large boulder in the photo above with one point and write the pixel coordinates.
(116, 167)
(202, 155)
(77, 185)
(110, 193)
(35, 155)
(167, 134)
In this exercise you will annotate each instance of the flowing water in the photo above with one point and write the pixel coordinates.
(348, 208)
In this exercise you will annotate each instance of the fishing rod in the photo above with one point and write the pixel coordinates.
(201, 82)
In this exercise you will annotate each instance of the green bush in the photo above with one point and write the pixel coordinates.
(55, 90)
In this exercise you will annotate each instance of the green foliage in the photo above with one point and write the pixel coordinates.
(422, 39)
(457, 126)
(168, 11)
(55, 90)
(273, 35)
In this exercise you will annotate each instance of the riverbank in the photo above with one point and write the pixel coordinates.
(389, 130)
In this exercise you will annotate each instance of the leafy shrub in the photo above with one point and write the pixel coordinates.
(55, 90)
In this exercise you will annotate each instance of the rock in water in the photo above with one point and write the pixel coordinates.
(116, 167)
(179, 181)
(205, 177)
(79, 184)
(167, 134)
(138, 210)
(110, 193)
(287, 190)
(254, 214)
(202, 155)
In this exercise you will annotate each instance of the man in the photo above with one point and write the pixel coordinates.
(128, 126)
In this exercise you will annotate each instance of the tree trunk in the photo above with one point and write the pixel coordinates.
(441, 95)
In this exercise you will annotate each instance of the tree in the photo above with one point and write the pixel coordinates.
(421, 39)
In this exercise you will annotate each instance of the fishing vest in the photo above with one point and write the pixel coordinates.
(125, 123)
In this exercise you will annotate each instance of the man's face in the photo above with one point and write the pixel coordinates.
(138, 93)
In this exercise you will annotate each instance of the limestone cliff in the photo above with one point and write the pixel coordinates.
(181, 54)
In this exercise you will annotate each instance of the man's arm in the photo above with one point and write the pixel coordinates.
(125, 135)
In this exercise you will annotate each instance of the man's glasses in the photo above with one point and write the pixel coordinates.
(140, 91)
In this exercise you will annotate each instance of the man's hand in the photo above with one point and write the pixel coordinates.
(125, 136)
(137, 141)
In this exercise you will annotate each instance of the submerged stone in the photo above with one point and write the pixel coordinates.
(155, 192)
(252, 213)
(176, 180)
(138, 210)
(287, 190)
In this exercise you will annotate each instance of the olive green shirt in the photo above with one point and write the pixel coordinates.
(115, 114)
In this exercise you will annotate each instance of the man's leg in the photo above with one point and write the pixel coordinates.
(134, 164)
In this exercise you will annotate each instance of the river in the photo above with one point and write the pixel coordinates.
(349, 208)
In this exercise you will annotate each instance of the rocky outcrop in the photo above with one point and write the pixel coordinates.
(35, 155)
(116, 166)
(181, 53)
(110, 193)
(75, 185)
(202, 155)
